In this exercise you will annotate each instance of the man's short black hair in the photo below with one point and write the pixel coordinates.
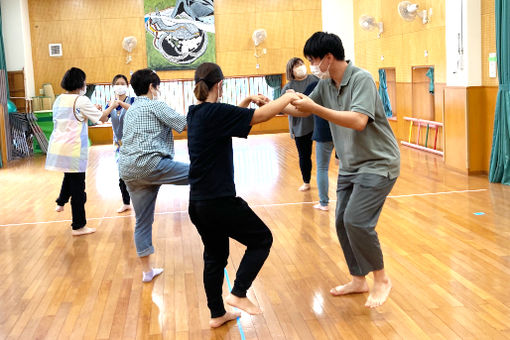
(141, 79)
(73, 79)
(322, 43)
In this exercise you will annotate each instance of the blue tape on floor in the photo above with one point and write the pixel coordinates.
(479, 213)
(238, 319)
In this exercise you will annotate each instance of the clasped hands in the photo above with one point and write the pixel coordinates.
(300, 101)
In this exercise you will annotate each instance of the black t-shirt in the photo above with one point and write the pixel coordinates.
(211, 127)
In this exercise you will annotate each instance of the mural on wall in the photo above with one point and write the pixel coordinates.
(180, 33)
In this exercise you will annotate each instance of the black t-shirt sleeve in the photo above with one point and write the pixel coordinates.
(234, 121)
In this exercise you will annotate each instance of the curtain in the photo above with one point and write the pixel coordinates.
(4, 95)
(499, 171)
(383, 93)
(430, 74)
(275, 81)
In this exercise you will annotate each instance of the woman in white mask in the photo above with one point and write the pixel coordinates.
(68, 146)
(301, 128)
(116, 110)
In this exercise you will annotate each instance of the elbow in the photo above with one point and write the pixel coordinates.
(361, 123)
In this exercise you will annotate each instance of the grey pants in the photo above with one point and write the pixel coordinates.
(360, 199)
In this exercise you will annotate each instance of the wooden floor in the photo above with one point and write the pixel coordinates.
(450, 266)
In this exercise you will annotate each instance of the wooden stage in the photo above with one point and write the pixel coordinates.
(450, 266)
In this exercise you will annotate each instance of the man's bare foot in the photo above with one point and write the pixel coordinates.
(59, 208)
(356, 286)
(243, 304)
(379, 293)
(217, 322)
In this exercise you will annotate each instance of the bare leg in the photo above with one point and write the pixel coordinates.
(228, 316)
(381, 290)
(243, 303)
(358, 285)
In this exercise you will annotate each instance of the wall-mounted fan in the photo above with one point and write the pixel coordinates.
(408, 11)
(368, 23)
(258, 37)
(129, 43)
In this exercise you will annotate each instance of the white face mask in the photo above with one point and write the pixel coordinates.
(83, 91)
(120, 89)
(316, 71)
(300, 71)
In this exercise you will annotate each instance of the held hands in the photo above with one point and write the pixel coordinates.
(259, 100)
(303, 103)
(113, 104)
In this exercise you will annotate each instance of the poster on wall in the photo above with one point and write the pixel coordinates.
(179, 33)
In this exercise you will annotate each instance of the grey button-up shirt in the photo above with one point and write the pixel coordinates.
(373, 150)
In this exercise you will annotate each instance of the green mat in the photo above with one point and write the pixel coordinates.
(45, 122)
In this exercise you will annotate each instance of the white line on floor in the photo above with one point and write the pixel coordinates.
(253, 205)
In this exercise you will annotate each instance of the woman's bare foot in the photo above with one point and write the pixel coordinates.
(243, 304)
(217, 322)
(379, 293)
(83, 231)
(124, 207)
(59, 208)
(304, 187)
(356, 286)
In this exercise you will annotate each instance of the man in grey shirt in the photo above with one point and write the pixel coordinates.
(347, 97)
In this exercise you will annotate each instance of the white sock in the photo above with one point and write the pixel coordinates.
(148, 276)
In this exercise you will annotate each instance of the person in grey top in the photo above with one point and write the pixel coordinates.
(116, 110)
(301, 128)
(369, 156)
(146, 159)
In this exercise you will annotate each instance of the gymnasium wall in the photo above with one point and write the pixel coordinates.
(468, 112)
(91, 32)
(402, 46)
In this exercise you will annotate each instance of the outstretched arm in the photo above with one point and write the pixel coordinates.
(271, 109)
(349, 119)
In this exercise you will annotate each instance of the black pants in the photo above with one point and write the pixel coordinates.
(216, 220)
(304, 148)
(125, 194)
(73, 187)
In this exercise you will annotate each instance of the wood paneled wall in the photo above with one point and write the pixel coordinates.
(488, 40)
(481, 104)
(456, 134)
(402, 44)
(91, 33)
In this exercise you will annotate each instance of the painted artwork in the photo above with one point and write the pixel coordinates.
(179, 33)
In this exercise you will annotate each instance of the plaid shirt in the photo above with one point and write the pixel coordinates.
(147, 137)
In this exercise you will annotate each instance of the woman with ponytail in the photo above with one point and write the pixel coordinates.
(214, 208)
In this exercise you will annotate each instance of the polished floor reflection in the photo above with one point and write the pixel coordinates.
(445, 237)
